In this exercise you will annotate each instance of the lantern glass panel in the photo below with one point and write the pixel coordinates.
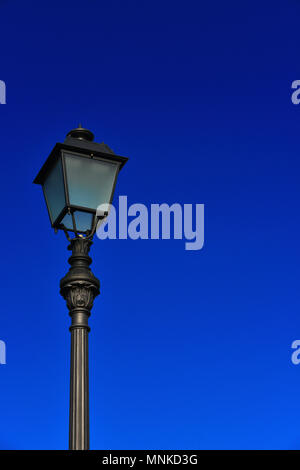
(54, 190)
(83, 220)
(90, 181)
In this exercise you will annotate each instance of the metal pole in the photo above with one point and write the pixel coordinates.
(79, 288)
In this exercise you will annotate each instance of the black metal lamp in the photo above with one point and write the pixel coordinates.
(78, 176)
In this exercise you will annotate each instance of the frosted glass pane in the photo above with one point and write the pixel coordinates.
(83, 221)
(90, 181)
(54, 190)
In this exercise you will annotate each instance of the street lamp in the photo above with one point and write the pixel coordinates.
(78, 176)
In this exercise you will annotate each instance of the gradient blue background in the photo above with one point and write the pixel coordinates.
(188, 350)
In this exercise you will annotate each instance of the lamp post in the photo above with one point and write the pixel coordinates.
(79, 176)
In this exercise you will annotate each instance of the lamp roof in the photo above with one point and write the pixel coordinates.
(79, 140)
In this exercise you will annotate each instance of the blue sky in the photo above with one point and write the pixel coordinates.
(188, 349)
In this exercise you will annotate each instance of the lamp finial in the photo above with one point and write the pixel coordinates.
(81, 134)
